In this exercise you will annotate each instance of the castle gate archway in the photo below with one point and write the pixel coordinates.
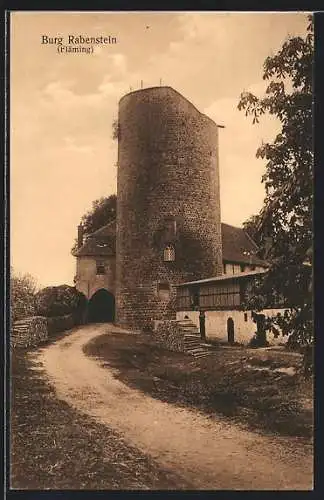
(101, 307)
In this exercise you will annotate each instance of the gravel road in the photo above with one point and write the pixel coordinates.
(209, 453)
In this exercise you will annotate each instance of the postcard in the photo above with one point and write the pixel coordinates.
(161, 189)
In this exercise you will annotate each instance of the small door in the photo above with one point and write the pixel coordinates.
(261, 330)
(230, 331)
(202, 325)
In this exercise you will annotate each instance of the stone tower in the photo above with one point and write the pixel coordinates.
(168, 208)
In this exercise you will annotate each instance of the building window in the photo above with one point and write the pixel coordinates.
(242, 268)
(224, 268)
(194, 297)
(245, 317)
(169, 253)
(236, 268)
(163, 291)
(101, 268)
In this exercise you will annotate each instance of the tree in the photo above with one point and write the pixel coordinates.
(115, 130)
(58, 301)
(23, 288)
(102, 212)
(251, 226)
(286, 216)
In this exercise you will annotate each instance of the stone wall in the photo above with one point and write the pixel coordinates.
(167, 167)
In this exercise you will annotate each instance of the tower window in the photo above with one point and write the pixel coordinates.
(169, 253)
(101, 268)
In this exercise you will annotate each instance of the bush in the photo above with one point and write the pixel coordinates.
(60, 324)
(60, 301)
(257, 342)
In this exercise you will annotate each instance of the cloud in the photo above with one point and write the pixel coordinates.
(120, 62)
(240, 171)
(62, 152)
(221, 52)
(110, 87)
(70, 144)
(60, 94)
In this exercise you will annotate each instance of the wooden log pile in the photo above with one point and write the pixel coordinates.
(169, 335)
(29, 332)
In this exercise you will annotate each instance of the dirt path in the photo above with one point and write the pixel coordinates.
(209, 453)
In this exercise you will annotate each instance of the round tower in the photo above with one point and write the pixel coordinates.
(168, 203)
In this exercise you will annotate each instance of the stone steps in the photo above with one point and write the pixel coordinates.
(190, 329)
(192, 344)
(196, 341)
(198, 353)
(192, 341)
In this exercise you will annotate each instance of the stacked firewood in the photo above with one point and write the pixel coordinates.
(169, 335)
(29, 332)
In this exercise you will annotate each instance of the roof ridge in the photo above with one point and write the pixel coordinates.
(231, 225)
(102, 227)
(224, 277)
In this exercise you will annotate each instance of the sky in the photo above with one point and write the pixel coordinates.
(62, 106)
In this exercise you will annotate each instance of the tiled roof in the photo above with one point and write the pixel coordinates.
(101, 243)
(237, 245)
(224, 277)
(107, 230)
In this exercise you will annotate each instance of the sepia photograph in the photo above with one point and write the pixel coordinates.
(161, 250)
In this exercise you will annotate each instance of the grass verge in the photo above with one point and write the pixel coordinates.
(253, 387)
(55, 447)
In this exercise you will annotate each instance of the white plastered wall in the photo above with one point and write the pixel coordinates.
(244, 330)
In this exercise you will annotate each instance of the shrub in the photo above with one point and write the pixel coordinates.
(60, 301)
(257, 342)
(60, 324)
